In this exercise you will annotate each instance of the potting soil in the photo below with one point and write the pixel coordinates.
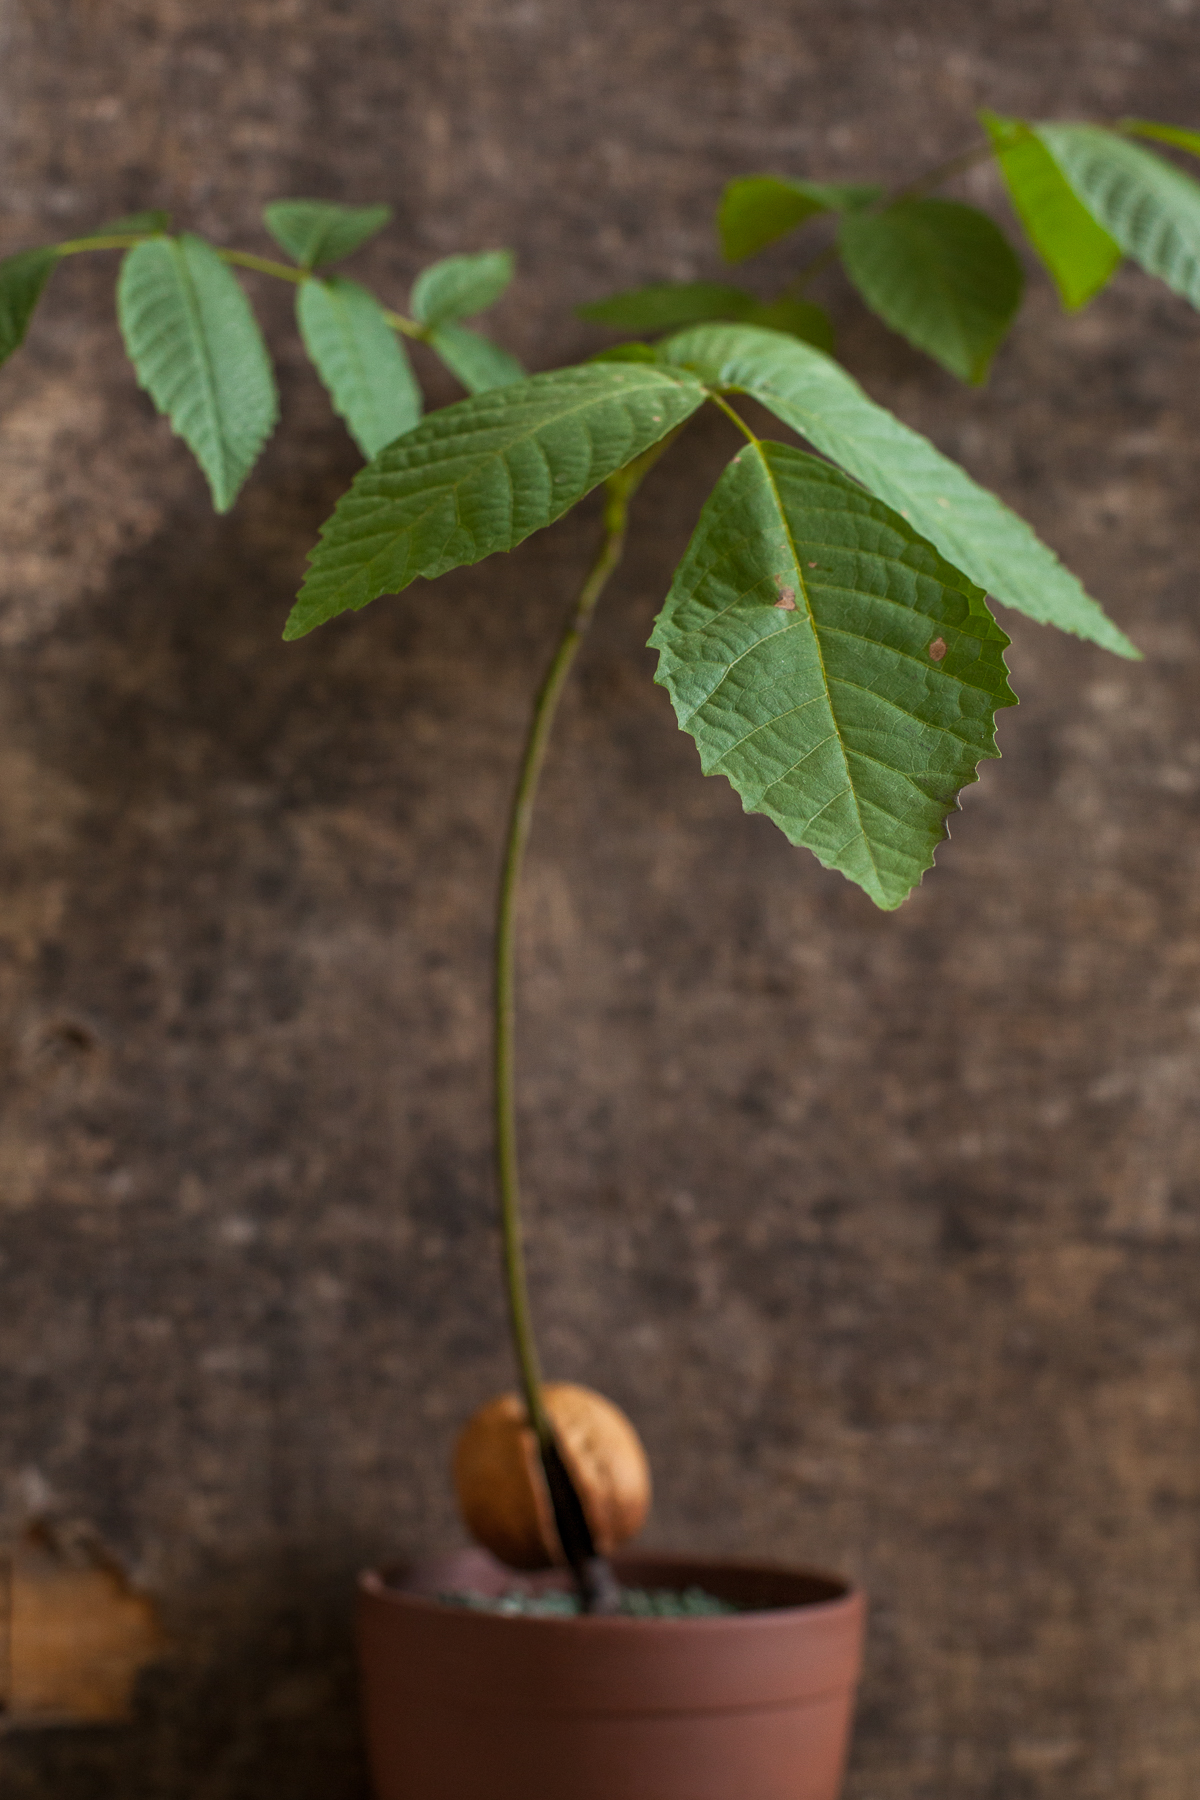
(636, 1603)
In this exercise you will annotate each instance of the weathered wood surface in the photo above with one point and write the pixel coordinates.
(884, 1230)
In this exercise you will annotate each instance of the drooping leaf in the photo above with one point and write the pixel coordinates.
(1179, 135)
(941, 274)
(478, 363)
(22, 278)
(831, 665)
(1149, 207)
(971, 527)
(756, 210)
(316, 232)
(197, 350)
(666, 304)
(1079, 254)
(802, 319)
(460, 286)
(360, 359)
(483, 475)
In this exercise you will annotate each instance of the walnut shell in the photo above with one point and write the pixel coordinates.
(502, 1491)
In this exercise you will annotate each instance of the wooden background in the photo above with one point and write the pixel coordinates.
(884, 1229)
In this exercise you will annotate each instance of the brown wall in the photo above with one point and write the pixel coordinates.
(883, 1228)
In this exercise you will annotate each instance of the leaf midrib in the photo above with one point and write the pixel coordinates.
(195, 325)
(346, 332)
(803, 586)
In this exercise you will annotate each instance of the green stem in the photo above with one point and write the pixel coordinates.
(120, 241)
(244, 259)
(619, 491)
(262, 265)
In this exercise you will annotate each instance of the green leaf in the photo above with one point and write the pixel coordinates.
(196, 348)
(1079, 254)
(941, 274)
(130, 225)
(478, 363)
(314, 232)
(360, 359)
(758, 209)
(635, 353)
(971, 527)
(667, 304)
(1179, 135)
(22, 278)
(831, 665)
(484, 474)
(1149, 207)
(459, 286)
(799, 318)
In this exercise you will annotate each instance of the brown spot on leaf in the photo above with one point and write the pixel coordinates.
(937, 649)
(787, 600)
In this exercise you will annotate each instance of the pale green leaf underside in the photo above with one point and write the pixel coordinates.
(938, 272)
(475, 361)
(459, 286)
(970, 526)
(484, 474)
(1079, 254)
(197, 350)
(360, 359)
(22, 278)
(315, 232)
(1149, 207)
(757, 210)
(853, 713)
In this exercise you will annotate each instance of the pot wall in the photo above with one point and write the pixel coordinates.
(467, 1706)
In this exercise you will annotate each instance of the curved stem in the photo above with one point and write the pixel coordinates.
(619, 491)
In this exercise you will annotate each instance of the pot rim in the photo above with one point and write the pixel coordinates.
(378, 1584)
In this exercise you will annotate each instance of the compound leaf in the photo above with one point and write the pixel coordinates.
(1149, 207)
(459, 286)
(1179, 135)
(197, 350)
(1079, 254)
(971, 527)
(484, 474)
(756, 210)
(831, 665)
(941, 274)
(22, 278)
(665, 305)
(360, 359)
(315, 232)
(478, 363)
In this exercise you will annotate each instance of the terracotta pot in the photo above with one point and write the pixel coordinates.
(464, 1705)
